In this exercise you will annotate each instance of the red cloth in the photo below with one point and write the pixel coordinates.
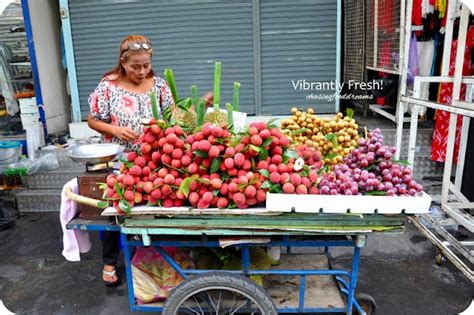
(416, 16)
(440, 134)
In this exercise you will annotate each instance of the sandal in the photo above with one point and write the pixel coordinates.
(112, 274)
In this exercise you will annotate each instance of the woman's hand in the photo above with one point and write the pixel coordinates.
(125, 133)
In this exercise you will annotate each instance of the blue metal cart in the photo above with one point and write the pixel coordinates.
(201, 291)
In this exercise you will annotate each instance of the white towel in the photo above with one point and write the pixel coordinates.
(74, 241)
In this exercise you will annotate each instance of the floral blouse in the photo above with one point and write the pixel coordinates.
(117, 106)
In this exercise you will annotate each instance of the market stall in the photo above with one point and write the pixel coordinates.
(204, 179)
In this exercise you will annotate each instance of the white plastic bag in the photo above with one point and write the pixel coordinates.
(47, 162)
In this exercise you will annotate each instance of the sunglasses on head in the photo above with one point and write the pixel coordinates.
(138, 46)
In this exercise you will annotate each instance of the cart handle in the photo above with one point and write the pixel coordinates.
(101, 204)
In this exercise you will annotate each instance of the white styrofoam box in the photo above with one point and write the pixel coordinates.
(28, 105)
(80, 130)
(343, 203)
(29, 120)
(239, 118)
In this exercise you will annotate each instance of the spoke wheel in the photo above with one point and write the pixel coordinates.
(219, 294)
(367, 303)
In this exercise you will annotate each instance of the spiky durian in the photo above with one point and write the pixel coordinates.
(208, 261)
(216, 117)
(185, 118)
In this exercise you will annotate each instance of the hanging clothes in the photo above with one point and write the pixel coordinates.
(416, 13)
(440, 134)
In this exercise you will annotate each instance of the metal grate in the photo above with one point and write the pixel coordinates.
(383, 35)
(354, 32)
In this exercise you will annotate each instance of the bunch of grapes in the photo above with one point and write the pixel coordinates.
(370, 169)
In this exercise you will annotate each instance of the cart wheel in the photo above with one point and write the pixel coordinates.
(439, 258)
(219, 293)
(367, 303)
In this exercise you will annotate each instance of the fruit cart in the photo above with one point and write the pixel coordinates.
(206, 182)
(201, 290)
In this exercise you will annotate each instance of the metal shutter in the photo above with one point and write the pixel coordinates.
(188, 36)
(298, 41)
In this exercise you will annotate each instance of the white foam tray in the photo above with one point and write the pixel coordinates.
(345, 204)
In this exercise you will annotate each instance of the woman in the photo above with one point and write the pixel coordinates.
(117, 105)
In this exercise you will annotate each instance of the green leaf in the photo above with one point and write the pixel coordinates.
(272, 126)
(202, 167)
(330, 156)
(253, 164)
(271, 121)
(215, 165)
(215, 192)
(118, 190)
(185, 184)
(263, 154)
(102, 185)
(185, 104)
(299, 131)
(255, 148)
(125, 206)
(276, 189)
(375, 193)
(329, 137)
(305, 171)
(200, 153)
(267, 141)
(401, 162)
(266, 184)
(265, 173)
(291, 153)
(350, 113)
(102, 204)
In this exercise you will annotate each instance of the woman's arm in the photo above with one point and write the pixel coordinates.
(123, 133)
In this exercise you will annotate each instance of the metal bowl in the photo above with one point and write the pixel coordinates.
(95, 153)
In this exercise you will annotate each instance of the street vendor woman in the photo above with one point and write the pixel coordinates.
(117, 106)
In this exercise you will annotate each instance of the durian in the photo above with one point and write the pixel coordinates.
(216, 117)
(259, 260)
(185, 118)
(208, 261)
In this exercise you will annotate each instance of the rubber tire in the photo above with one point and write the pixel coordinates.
(367, 303)
(235, 281)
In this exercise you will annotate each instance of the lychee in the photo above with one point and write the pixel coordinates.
(128, 195)
(288, 188)
(213, 152)
(177, 154)
(222, 203)
(169, 179)
(140, 161)
(250, 191)
(275, 177)
(256, 140)
(131, 156)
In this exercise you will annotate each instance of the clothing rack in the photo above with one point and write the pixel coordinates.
(453, 201)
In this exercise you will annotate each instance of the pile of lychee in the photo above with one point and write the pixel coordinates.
(212, 168)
